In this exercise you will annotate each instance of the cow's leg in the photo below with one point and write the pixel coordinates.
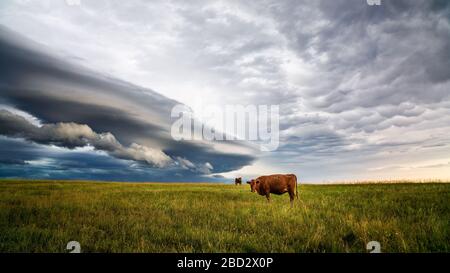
(268, 197)
(291, 197)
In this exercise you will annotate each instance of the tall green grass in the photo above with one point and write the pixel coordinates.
(43, 216)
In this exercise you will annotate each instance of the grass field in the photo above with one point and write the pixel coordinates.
(42, 216)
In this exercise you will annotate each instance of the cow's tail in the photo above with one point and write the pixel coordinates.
(296, 186)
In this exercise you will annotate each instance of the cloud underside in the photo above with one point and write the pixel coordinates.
(72, 135)
(75, 108)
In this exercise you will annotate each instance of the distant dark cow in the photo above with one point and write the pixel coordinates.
(276, 184)
(238, 181)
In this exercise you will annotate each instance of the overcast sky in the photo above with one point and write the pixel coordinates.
(86, 90)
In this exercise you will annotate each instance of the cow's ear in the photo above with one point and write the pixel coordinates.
(248, 182)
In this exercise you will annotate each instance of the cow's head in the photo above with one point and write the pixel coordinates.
(254, 184)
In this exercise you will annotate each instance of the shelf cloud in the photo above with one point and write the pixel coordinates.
(72, 135)
(79, 108)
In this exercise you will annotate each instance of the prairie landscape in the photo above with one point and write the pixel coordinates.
(43, 216)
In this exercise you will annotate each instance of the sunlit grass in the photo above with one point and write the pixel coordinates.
(42, 216)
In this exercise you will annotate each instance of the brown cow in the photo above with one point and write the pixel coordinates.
(238, 181)
(276, 184)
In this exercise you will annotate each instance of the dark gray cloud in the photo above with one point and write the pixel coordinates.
(72, 135)
(78, 107)
(372, 57)
(374, 68)
(24, 159)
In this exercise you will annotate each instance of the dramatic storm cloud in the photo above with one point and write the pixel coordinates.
(51, 102)
(72, 135)
(364, 91)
